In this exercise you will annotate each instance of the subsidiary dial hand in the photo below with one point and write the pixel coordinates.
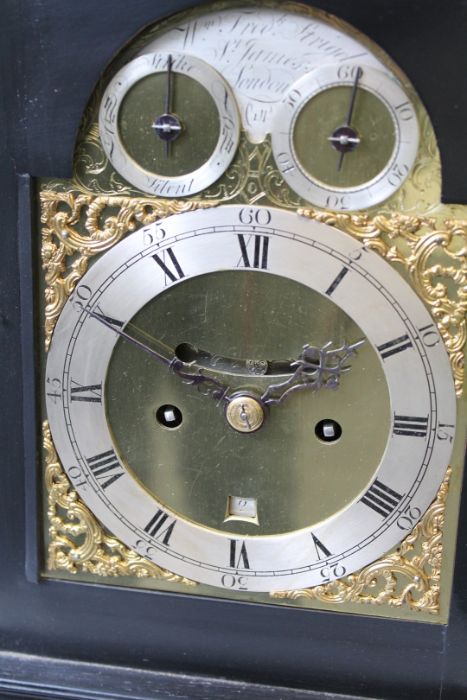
(345, 138)
(168, 126)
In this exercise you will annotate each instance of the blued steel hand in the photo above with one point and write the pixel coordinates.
(315, 368)
(353, 95)
(168, 126)
(345, 138)
(168, 98)
(180, 368)
(168, 88)
(358, 75)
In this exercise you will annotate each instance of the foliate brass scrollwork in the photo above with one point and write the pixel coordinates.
(253, 176)
(433, 257)
(78, 226)
(410, 576)
(78, 542)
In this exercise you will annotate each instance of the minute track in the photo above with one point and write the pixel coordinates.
(274, 232)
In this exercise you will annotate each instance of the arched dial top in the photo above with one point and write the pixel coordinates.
(342, 121)
(262, 51)
(252, 241)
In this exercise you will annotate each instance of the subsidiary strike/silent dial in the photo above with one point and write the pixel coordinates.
(169, 124)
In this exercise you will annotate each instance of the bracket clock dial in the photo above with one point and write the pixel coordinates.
(246, 412)
(248, 383)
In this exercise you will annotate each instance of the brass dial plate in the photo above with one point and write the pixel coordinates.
(393, 321)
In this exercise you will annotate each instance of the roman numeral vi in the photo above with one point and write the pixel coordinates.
(238, 556)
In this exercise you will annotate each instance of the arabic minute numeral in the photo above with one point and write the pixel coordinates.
(429, 335)
(397, 174)
(405, 111)
(77, 477)
(334, 571)
(261, 217)
(55, 386)
(238, 582)
(347, 72)
(408, 518)
(294, 97)
(337, 201)
(445, 431)
(82, 295)
(284, 162)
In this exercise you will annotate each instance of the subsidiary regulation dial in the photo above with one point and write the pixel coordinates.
(345, 137)
(169, 124)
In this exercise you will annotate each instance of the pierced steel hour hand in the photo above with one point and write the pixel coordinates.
(314, 369)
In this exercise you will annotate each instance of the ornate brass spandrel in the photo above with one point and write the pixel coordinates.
(76, 227)
(408, 577)
(254, 178)
(78, 542)
(433, 257)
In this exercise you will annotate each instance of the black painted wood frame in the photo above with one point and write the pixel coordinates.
(65, 639)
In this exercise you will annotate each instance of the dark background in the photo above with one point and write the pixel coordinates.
(56, 636)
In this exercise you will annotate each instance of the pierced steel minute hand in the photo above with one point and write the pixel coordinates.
(182, 369)
(315, 368)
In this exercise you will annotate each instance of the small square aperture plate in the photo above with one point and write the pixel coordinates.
(241, 508)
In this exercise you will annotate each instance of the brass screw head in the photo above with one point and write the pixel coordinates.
(245, 413)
